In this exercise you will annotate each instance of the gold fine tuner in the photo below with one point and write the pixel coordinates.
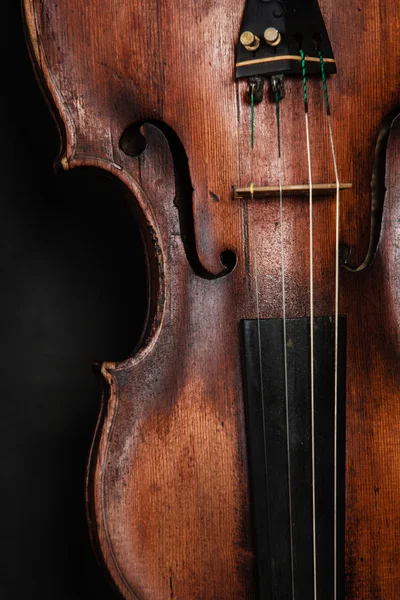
(250, 41)
(272, 36)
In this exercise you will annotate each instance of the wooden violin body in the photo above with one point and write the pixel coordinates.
(168, 480)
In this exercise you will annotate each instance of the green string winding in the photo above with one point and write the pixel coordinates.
(324, 83)
(304, 76)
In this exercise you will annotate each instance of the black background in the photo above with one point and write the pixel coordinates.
(72, 291)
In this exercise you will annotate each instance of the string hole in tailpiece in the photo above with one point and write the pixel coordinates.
(317, 40)
(299, 39)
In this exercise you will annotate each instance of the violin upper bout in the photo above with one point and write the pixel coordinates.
(34, 18)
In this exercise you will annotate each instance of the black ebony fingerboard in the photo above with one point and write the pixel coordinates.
(285, 554)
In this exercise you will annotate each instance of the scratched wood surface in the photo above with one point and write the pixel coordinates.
(167, 481)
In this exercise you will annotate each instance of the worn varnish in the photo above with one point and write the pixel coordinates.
(167, 482)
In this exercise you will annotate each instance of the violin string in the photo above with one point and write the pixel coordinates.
(258, 317)
(336, 326)
(256, 283)
(278, 125)
(252, 122)
(304, 76)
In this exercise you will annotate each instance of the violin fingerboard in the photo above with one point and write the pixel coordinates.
(290, 536)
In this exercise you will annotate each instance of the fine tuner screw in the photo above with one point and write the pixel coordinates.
(272, 36)
(250, 41)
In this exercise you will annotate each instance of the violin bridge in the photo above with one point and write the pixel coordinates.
(319, 189)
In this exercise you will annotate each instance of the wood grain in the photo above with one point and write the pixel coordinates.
(167, 485)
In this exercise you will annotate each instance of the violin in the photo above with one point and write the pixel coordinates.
(250, 446)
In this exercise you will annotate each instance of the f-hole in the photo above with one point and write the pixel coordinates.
(133, 143)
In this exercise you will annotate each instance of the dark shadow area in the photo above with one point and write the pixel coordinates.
(72, 291)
